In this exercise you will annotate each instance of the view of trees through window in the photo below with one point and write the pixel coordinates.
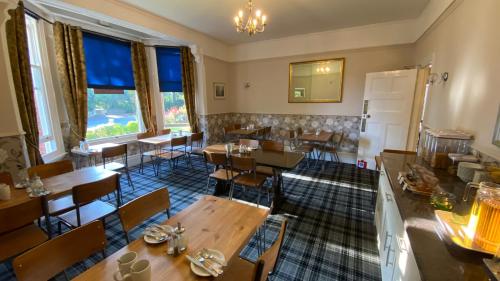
(175, 114)
(112, 113)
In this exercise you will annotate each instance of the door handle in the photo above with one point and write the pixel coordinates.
(388, 197)
(387, 263)
(387, 236)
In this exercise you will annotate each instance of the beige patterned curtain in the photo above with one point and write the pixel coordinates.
(17, 41)
(188, 87)
(141, 80)
(72, 74)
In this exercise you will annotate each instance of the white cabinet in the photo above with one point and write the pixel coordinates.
(396, 258)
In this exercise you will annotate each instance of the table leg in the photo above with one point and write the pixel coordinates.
(278, 197)
(45, 208)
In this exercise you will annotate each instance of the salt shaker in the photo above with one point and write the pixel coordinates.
(180, 237)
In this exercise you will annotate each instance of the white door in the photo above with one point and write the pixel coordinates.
(386, 113)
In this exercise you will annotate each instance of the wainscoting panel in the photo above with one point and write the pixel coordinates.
(213, 125)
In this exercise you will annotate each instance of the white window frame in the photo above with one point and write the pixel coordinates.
(49, 97)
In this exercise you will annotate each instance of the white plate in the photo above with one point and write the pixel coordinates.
(150, 240)
(202, 272)
(31, 195)
(20, 186)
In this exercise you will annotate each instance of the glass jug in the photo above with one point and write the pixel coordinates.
(484, 220)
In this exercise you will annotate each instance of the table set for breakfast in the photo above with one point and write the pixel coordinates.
(198, 242)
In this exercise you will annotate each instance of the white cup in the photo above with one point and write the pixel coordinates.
(4, 192)
(139, 271)
(124, 264)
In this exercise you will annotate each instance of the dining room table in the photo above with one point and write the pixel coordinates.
(278, 160)
(91, 154)
(210, 222)
(58, 186)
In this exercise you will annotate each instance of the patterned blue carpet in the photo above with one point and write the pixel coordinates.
(330, 234)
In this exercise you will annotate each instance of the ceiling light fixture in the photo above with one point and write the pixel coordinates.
(255, 23)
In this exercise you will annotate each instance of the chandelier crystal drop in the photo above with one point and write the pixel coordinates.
(254, 23)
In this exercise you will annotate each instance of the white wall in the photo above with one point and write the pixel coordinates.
(268, 78)
(465, 43)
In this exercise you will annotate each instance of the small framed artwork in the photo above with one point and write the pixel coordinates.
(219, 90)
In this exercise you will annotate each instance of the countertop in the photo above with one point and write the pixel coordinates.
(436, 257)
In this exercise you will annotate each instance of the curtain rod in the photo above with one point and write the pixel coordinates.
(37, 16)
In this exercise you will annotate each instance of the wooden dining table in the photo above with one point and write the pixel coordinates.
(91, 154)
(279, 161)
(210, 222)
(59, 186)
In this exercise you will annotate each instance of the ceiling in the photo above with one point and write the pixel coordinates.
(285, 17)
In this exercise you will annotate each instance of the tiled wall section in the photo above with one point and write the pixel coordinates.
(212, 124)
(11, 155)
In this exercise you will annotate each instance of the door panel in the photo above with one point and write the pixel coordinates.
(386, 112)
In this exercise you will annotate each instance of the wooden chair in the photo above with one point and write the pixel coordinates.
(333, 148)
(248, 177)
(59, 205)
(18, 233)
(138, 210)
(146, 153)
(306, 148)
(176, 150)
(222, 171)
(225, 132)
(267, 132)
(51, 169)
(111, 153)
(249, 143)
(164, 132)
(54, 256)
(87, 206)
(243, 270)
(268, 172)
(237, 126)
(196, 146)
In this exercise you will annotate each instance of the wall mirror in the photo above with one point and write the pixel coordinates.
(316, 81)
(496, 134)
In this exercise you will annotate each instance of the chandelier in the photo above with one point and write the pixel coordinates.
(253, 24)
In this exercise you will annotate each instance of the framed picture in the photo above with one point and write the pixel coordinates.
(219, 90)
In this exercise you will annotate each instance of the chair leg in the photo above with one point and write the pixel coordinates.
(168, 213)
(59, 227)
(130, 183)
(259, 191)
(126, 238)
(141, 166)
(231, 190)
(208, 185)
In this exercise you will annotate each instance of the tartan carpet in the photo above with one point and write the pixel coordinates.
(330, 234)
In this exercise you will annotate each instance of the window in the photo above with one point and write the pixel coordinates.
(113, 108)
(112, 113)
(47, 117)
(170, 82)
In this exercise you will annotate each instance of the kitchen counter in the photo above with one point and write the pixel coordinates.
(436, 257)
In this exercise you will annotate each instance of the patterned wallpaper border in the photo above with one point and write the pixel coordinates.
(213, 125)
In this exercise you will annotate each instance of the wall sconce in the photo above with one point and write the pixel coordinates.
(246, 85)
(444, 76)
(435, 77)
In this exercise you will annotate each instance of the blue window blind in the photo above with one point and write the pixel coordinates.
(169, 69)
(108, 62)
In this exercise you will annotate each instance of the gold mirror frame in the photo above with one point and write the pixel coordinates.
(290, 71)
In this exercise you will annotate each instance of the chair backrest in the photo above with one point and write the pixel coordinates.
(89, 192)
(138, 210)
(50, 258)
(250, 143)
(145, 135)
(216, 158)
(237, 126)
(51, 169)
(276, 146)
(19, 215)
(197, 139)
(228, 129)
(300, 132)
(114, 151)
(180, 141)
(270, 256)
(341, 139)
(164, 132)
(6, 178)
(243, 163)
(267, 131)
